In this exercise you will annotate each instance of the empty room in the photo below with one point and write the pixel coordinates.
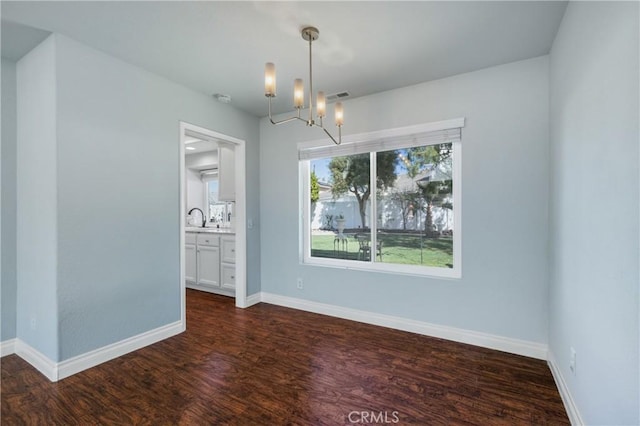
(320, 213)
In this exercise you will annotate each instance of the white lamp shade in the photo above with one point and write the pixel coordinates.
(269, 79)
(298, 93)
(321, 105)
(339, 114)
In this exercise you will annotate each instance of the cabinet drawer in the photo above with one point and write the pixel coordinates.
(208, 240)
(190, 238)
(228, 276)
(228, 250)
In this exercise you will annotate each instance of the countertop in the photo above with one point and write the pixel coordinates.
(209, 230)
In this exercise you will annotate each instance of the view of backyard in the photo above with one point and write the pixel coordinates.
(402, 248)
(413, 215)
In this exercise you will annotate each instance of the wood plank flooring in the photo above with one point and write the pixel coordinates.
(268, 365)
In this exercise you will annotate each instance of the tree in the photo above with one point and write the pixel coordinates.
(408, 200)
(427, 157)
(434, 194)
(435, 159)
(351, 174)
(315, 188)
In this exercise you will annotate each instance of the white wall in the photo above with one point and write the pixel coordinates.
(195, 186)
(8, 280)
(37, 204)
(503, 289)
(195, 191)
(111, 227)
(594, 209)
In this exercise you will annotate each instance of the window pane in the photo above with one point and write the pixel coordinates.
(340, 207)
(415, 206)
(219, 212)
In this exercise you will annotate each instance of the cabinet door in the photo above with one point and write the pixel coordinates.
(209, 266)
(190, 263)
(226, 174)
(229, 276)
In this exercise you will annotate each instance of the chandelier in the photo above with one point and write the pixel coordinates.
(309, 34)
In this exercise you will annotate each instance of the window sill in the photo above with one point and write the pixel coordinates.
(386, 268)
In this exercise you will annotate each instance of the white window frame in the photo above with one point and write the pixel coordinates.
(373, 265)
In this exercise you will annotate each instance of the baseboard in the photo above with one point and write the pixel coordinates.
(8, 347)
(569, 404)
(37, 359)
(58, 371)
(90, 359)
(253, 299)
(514, 346)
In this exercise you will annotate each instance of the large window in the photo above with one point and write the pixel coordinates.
(389, 201)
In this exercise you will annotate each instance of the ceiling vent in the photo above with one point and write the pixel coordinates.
(225, 99)
(337, 96)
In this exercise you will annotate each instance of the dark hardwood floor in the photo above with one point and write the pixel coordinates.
(269, 365)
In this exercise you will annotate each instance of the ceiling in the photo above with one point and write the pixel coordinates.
(364, 47)
(197, 146)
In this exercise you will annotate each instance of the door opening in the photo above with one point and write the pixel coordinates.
(222, 211)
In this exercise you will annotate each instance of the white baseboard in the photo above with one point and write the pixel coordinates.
(569, 404)
(253, 299)
(90, 359)
(8, 347)
(514, 346)
(58, 371)
(37, 359)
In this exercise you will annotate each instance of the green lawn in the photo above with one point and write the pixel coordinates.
(408, 249)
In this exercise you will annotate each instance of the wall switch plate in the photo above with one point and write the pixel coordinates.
(572, 361)
(34, 323)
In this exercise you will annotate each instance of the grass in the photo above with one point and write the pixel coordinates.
(407, 249)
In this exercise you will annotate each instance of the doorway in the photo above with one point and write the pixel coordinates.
(189, 132)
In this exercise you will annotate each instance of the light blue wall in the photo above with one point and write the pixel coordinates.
(8, 224)
(594, 209)
(118, 194)
(503, 290)
(36, 246)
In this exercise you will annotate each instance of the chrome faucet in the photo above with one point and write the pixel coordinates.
(204, 219)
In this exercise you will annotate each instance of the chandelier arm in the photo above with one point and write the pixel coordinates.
(285, 120)
(337, 142)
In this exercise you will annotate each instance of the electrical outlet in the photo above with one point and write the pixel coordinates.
(34, 323)
(300, 286)
(572, 361)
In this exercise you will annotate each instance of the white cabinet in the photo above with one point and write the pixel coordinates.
(228, 262)
(209, 266)
(228, 249)
(226, 173)
(210, 262)
(190, 258)
(228, 276)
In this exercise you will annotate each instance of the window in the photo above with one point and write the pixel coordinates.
(388, 201)
(218, 212)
